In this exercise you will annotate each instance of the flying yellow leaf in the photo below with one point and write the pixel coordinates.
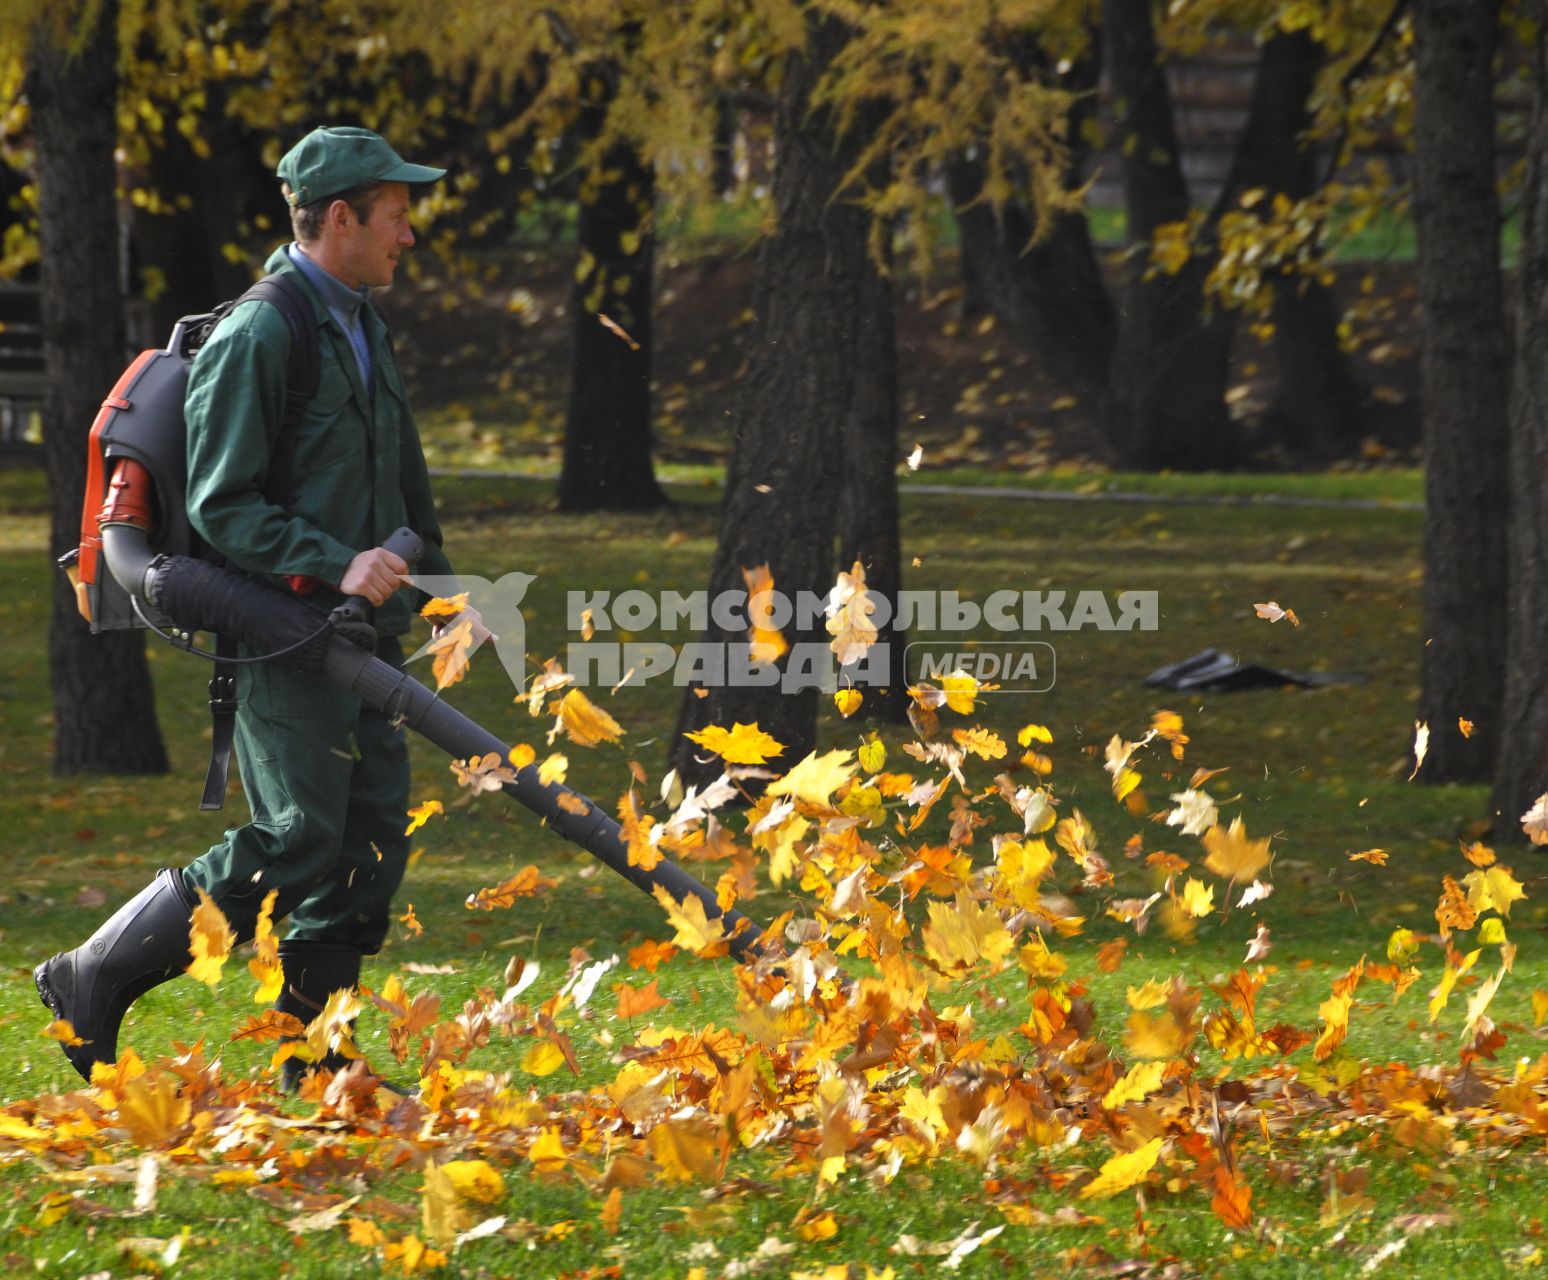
(1232, 855)
(1198, 898)
(1123, 1171)
(1448, 982)
(1161, 1036)
(1030, 733)
(1493, 887)
(1376, 857)
(153, 1110)
(822, 1226)
(1334, 1012)
(695, 931)
(547, 1151)
(542, 1059)
(961, 692)
(1151, 995)
(445, 606)
(61, 1030)
(960, 934)
(849, 610)
(766, 643)
(553, 770)
(1140, 1080)
(521, 755)
(1479, 1002)
(475, 1180)
(585, 723)
(421, 814)
(1478, 853)
(688, 1148)
(453, 650)
(982, 743)
(364, 1232)
(210, 940)
(411, 1255)
(741, 744)
(1465, 725)
(873, 755)
(636, 832)
(442, 1212)
(332, 1030)
(814, 780)
(848, 701)
(265, 963)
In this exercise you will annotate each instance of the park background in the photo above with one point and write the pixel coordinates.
(1236, 302)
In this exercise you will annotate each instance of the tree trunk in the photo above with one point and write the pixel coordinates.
(723, 149)
(1521, 774)
(1464, 367)
(783, 483)
(104, 707)
(868, 506)
(1166, 396)
(607, 437)
(1315, 411)
(184, 244)
(1051, 294)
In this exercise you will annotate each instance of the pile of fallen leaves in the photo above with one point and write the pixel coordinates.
(851, 1052)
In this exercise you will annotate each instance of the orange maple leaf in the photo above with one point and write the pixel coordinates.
(766, 642)
(526, 883)
(636, 1000)
(650, 954)
(1233, 1199)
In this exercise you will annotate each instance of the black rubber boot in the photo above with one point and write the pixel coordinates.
(313, 972)
(143, 944)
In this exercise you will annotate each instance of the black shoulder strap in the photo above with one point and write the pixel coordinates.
(305, 372)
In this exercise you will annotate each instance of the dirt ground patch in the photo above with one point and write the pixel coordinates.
(496, 352)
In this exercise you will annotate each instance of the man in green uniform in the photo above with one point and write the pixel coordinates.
(308, 509)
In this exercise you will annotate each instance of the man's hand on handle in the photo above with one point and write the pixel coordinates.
(374, 574)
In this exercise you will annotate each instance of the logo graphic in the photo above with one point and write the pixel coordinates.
(1014, 666)
(497, 605)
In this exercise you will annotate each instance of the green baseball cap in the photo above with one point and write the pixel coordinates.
(334, 159)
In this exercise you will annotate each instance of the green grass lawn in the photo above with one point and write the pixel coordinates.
(1321, 771)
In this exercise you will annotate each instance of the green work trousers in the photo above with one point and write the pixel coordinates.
(327, 781)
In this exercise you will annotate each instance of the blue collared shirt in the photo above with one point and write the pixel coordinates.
(344, 305)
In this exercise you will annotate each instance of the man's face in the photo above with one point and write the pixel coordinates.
(369, 251)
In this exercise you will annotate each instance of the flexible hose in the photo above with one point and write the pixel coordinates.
(199, 596)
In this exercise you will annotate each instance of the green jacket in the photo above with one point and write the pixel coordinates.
(357, 475)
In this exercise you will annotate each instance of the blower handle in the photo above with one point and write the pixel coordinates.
(352, 619)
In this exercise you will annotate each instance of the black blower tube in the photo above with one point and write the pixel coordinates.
(199, 596)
